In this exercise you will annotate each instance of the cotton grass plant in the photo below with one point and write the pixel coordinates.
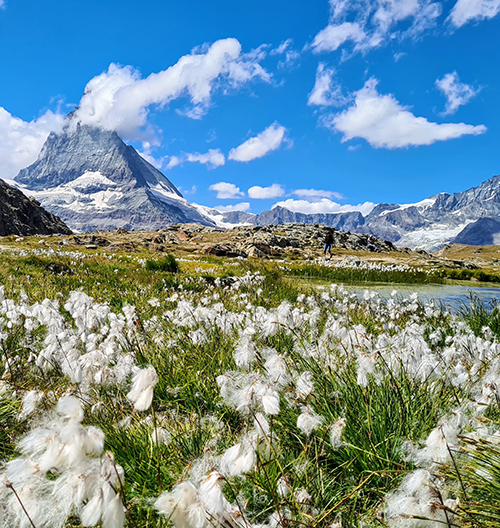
(240, 400)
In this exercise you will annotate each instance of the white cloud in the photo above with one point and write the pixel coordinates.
(173, 162)
(368, 24)
(212, 159)
(282, 48)
(457, 93)
(326, 92)
(2, 4)
(242, 206)
(290, 55)
(323, 206)
(212, 136)
(333, 36)
(465, 11)
(262, 193)
(384, 123)
(317, 193)
(21, 141)
(226, 191)
(119, 99)
(257, 147)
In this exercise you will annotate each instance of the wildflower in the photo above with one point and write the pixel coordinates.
(304, 384)
(160, 436)
(244, 352)
(283, 487)
(143, 384)
(270, 401)
(30, 401)
(175, 504)
(336, 433)
(238, 459)
(308, 421)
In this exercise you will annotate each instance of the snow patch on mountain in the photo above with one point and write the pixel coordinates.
(421, 206)
(430, 238)
(222, 219)
(90, 192)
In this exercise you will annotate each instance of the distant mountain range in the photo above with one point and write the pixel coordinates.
(92, 180)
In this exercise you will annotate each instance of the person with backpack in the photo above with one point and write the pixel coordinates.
(371, 244)
(328, 243)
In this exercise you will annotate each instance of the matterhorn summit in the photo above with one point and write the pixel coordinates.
(92, 180)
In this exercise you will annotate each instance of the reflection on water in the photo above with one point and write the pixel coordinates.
(453, 296)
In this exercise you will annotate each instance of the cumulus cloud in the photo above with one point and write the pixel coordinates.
(262, 193)
(323, 206)
(212, 159)
(119, 99)
(457, 93)
(368, 24)
(326, 91)
(333, 36)
(465, 11)
(384, 123)
(226, 191)
(260, 145)
(242, 206)
(317, 193)
(21, 141)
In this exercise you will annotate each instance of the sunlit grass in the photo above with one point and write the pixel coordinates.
(346, 482)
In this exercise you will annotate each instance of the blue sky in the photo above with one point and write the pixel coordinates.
(322, 106)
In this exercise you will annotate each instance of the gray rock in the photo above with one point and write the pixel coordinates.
(482, 232)
(23, 216)
(224, 250)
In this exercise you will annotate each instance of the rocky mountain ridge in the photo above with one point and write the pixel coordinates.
(91, 179)
(23, 216)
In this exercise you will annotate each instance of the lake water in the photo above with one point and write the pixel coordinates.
(453, 296)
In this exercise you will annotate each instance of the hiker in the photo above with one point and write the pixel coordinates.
(371, 244)
(328, 243)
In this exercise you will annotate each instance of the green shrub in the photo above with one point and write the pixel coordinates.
(168, 264)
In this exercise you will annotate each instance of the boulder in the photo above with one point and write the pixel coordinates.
(224, 250)
(254, 251)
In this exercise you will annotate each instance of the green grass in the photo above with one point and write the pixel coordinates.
(480, 315)
(467, 275)
(346, 483)
(168, 264)
(349, 275)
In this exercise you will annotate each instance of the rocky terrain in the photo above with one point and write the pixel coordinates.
(288, 242)
(22, 216)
